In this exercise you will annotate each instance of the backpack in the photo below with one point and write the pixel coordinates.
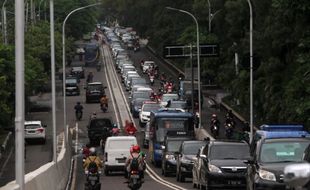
(92, 166)
(134, 165)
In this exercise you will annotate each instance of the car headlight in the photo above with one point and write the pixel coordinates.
(170, 157)
(266, 175)
(213, 168)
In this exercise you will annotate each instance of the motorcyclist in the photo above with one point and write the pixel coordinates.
(115, 130)
(229, 118)
(104, 101)
(93, 116)
(86, 151)
(92, 158)
(78, 108)
(130, 128)
(135, 153)
(90, 77)
(214, 120)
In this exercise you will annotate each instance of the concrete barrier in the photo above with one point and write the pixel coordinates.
(51, 176)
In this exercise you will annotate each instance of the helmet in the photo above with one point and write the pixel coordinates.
(114, 125)
(78, 102)
(136, 148)
(94, 113)
(92, 151)
(214, 116)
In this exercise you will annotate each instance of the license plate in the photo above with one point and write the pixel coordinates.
(93, 178)
(234, 182)
(30, 131)
(135, 176)
(120, 160)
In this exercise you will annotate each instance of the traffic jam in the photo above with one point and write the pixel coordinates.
(160, 134)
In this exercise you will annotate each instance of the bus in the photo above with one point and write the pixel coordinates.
(91, 54)
(163, 121)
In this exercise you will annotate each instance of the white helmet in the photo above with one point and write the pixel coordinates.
(92, 151)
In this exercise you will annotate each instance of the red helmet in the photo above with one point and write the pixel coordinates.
(135, 148)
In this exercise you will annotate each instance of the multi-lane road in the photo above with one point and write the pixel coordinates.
(38, 155)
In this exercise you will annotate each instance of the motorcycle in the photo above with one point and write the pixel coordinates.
(229, 130)
(215, 130)
(134, 180)
(78, 115)
(104, 108)
(152, 79)
(92, 180)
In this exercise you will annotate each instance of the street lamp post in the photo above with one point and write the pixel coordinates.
(211, 16)
(251, 70)
(198, 58)
(4, 23)
(64, 64)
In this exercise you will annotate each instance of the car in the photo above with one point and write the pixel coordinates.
(78, 72)
(146, 136)
(147, 65)
(137, 81)
(34, 130)
(166, 97)
(125, 75)
(136, 105)
(220, 164)
(171, 146)
(72, 87)
(128, 75)
(179, 104)
(145, 113)
(125, 69)
(94, 91)
(185, 158)
(116, 152)
(98, 128)
(128, 80)
(272, 149)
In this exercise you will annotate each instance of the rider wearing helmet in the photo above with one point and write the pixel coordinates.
(78, 107)
(92, 158)
(115, 130)
(214, 120)
(135, 153)
(130, 128)
(93, 116)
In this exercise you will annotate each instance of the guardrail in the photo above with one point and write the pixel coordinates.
(51, 176)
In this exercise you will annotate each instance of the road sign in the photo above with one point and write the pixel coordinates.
(184, 51)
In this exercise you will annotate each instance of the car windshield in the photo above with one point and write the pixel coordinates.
(192, 148)
(138, 81)
(71, 81)
(289, 151)
(150, 107)
(75, 69)
(170, 97)
(181, 105)
(32, 126)
(173, 146)
(229, 151)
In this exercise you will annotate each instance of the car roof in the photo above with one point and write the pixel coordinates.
(33, 122)
(77, 68)
(227, 142)
(121, 137)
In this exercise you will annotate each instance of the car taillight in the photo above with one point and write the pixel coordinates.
(40, 130)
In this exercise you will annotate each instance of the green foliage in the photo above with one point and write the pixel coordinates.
(281, 48)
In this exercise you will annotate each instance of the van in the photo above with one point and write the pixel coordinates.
(116, 152)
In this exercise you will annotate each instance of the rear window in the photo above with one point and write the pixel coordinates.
(95, 87)
(120, 144)
(100, 123)
(33, 126)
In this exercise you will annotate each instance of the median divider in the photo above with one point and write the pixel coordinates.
(51, 176)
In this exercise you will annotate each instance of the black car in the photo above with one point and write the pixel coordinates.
(220, 164)
(78, 72)
(99, 128)
(94, 91)
(171, 146)
(72, 87)
(185, 158)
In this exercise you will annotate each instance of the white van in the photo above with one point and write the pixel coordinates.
(116, 152)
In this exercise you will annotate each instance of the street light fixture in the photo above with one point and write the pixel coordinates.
(64, 64)
(198, 58)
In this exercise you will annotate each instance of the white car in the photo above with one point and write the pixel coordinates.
(147, 65)
(35, 130)
(116, 151)
(166, 97)
(145, 113)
